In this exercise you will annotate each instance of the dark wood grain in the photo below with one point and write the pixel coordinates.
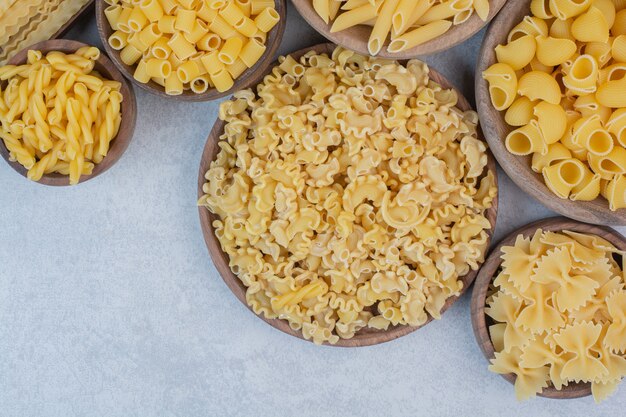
(356, 38)
(365, 337)
(249, 77)
(496, 129)
(480, 322)
(128, 109)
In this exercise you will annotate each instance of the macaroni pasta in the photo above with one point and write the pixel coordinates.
(193, 44)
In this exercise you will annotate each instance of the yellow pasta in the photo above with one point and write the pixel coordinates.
(68, 114)
(559, 309)
(380, 237)
(191, 45)
(565, 96)
(400, 24)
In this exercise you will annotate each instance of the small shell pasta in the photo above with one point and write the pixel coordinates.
(560, 80)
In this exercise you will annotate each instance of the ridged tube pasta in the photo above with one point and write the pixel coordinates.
(521, 112)
(563, 176)
(554, 51)
(182, 36)
(591, 26)
(399, 25)
(518, 53)
(582, 75)
(537, 85)
(552, 121)
(503, 85)
(526, 140)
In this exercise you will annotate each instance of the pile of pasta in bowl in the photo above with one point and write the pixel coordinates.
(560, 79)
(350, 193)
(558, 308)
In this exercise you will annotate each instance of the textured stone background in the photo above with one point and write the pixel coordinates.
(110, 306)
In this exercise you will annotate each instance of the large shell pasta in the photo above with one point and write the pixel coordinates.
(407, 23)
(561, 80)
(559, 310)
(190, 45)
(351, 192)
(57, 115)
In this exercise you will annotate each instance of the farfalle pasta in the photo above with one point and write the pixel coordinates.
(409, 23)
(559, 311)
(351, 193)
(57, 114)
(560, 79)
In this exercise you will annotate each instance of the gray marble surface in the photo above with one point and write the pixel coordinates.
(110, 305)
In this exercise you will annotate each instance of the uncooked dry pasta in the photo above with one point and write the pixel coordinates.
(58, 115)
(190, 44)
(409, 23)
(559, 311)
(25, 22)
(560, 78)
(351, 193)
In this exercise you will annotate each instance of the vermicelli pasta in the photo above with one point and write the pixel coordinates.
(65, 120)
(186, 34)
(561, 79)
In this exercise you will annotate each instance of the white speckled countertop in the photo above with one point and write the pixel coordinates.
(110, 305)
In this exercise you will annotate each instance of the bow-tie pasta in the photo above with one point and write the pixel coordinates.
(351, 193)
(559, 307)
(560, 79)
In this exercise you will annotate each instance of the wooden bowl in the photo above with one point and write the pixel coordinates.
(356, 38)
(496, 129)
(364, 337)
(481, 322)
(83, 11)
(245, 80)
(128, 109)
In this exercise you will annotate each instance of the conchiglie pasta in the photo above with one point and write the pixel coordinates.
(568, 109)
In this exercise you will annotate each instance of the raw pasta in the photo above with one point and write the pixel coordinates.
(25, 22)
(57, 114)
(408, 23)
(561, 80)
(351, 193)
(559, 307)
(204, 43)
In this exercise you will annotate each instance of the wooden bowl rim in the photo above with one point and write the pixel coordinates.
(119, 144)
(366, 337)
(486, 276)
(356, 38)
(495, 129)
(246, 79)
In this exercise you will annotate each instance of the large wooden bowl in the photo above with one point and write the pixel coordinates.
(245, 80)
(365, 337)
(356, 38)
(496, 129)
(481, 322)
(128, 108)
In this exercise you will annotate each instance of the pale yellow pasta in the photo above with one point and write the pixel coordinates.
(573, 90)
(399, 24)
(558, 307)
(64, 119)
(190, 45)
(335, 241)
